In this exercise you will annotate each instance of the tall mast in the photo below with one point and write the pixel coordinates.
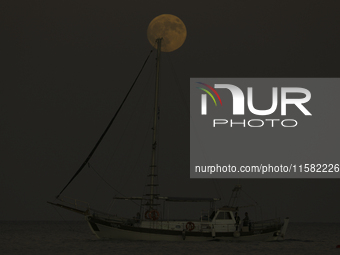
(160, 34)
(153, 173)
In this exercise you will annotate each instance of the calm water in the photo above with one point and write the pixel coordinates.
(39, 237)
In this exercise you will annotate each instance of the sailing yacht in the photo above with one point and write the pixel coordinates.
(151, 222)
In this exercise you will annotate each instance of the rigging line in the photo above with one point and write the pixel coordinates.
(123, 135)
(110, 184)
(158, 128)
(136, 132)
(123, 184)
(217, 187)
(157, 163)
(125, 169)
(140, 152)
(107, 128)
(178, 83)
(147, 169)
(250, 197)
(111, 204)
(65, 220)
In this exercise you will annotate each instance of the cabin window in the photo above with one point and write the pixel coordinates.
(220, 216)
(227, 216)
(224, 216)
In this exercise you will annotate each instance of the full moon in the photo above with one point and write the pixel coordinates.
(170, 28)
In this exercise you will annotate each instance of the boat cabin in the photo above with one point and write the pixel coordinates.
(223, 220)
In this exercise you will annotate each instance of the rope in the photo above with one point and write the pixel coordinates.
(120, 141)
(249, 197)
(107, 128)
(110, 184)
(65, 221)
(215, 184)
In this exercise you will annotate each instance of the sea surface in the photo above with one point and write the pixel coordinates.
(74, 237)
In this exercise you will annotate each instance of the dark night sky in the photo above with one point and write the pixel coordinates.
(66, 66)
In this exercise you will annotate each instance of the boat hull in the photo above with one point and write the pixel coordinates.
(118, 231)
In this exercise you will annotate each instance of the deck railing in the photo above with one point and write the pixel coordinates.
(265, 224)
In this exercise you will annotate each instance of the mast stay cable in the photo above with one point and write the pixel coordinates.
(107, 128)
(216, 186)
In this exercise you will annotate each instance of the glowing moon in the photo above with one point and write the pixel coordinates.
(170, 28)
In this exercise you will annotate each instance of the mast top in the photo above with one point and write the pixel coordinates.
(170, 29)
